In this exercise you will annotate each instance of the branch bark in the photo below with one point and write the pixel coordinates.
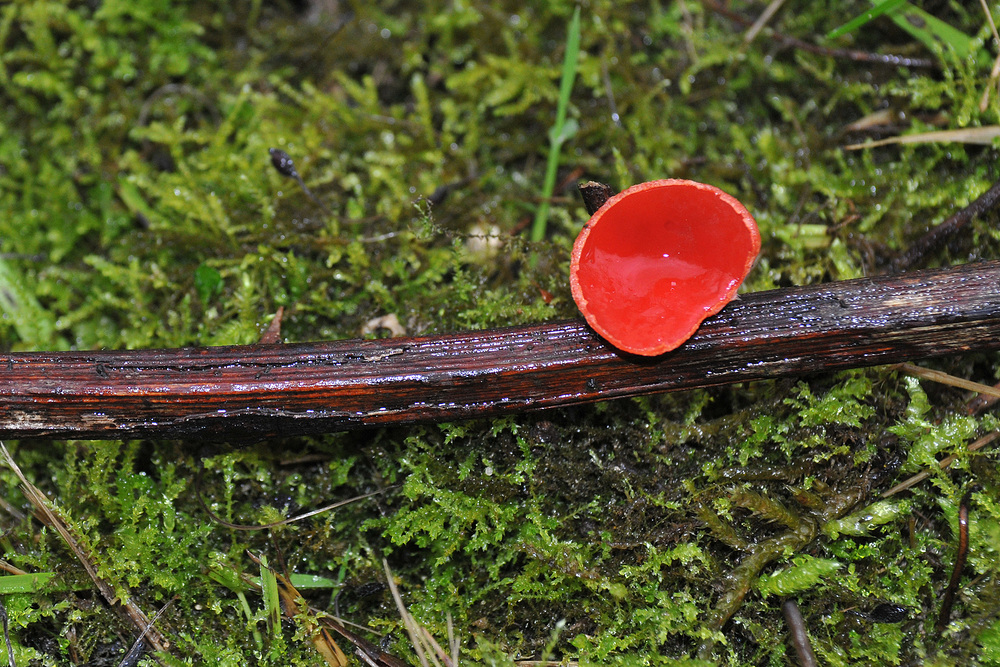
(260, 391)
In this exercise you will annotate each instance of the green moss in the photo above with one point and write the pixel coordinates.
(138, 208)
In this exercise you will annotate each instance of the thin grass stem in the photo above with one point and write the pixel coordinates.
(561, 130)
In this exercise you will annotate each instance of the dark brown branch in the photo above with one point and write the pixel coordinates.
(937, 236)
(843, 54)
(268, 390)
(797, 631)
(960, 555)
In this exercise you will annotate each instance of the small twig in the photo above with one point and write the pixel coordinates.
(762, 21)
(984, 102)
(423, 641)
(326, 508)
(947, 379)
(132, 657)
(442, 655)
(453, 641)
(975, 136)
(936, 236)
(960, 556)
(11, 569)
(844, 54)
(797, 631)
(126, 606)
(17, 514)
(982, 401)
(944, 463)
(412, 629)
(368, 652)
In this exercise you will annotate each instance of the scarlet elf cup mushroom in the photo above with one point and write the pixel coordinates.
(658, 259)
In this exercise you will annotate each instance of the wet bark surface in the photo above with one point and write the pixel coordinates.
(271, 390)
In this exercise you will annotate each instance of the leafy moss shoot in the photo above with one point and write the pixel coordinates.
(139, 208)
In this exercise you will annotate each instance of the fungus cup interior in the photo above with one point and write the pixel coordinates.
(659, 258)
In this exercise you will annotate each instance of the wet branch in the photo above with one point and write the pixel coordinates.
(260, 391)
(938, 235)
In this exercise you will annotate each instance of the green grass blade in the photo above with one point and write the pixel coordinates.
(272, 603)
(863, 18)
(559, 133)
(24, 583)
(568, 68)
(931, 31)
(248, 613)
(306, 581)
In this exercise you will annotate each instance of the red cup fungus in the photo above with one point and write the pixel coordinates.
(659, 258)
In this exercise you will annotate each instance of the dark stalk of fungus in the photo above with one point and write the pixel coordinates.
(260, 391)
(595, 195)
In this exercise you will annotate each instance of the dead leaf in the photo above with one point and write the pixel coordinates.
(390, 322)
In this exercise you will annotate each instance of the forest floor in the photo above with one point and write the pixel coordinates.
(139, 208)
